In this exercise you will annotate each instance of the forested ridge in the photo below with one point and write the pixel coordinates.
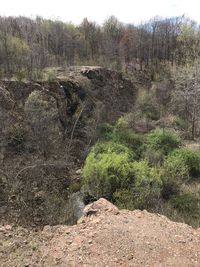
(29, 45)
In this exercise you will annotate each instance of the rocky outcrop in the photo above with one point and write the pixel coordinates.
(98, 207)
(85, 98)
(106, 237)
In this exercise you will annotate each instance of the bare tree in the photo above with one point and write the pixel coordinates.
(186, 96)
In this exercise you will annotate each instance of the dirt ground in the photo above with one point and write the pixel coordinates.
(104, 236)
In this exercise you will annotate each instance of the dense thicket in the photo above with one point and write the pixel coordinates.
(151, 171)
(28, 45)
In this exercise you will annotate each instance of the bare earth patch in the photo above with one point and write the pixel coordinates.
(104, 236)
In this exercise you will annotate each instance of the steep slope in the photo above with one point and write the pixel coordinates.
(83, 98)
(104, 236)
(47, 128)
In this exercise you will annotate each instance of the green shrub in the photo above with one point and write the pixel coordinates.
(111, 147)
(132, 140)
(174, 173)
(121, 123)
(154, 157)
(144, 174)
(124, 199)
(164, 140)
(75, 187)
(186, 204)
(148, 105)
(121, 133)
(107, 168)
(131, 118)
(147, 185)
(51, 76)
(145, 190)
(181, 124)
(191, 159)
(20, 75)
(181, 208)
(106, 131)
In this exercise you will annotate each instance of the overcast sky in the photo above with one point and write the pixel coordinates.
(128, 11)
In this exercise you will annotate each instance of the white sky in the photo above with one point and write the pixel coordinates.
(128, 11)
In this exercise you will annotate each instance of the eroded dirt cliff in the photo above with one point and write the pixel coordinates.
(47, 129)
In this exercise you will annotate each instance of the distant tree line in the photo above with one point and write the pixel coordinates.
(29, 45)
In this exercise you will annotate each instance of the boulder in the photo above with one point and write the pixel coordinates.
(100, 206)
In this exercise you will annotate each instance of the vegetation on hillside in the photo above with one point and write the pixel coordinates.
(29, 45)
(149, 171)
(151, 90)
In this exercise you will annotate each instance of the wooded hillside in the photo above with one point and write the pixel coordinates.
(29, 45)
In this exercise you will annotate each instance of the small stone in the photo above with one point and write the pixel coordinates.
(5, 228)
(79, 171)
(47, 228)
(130, 257)
(182, 241)
(8, 227)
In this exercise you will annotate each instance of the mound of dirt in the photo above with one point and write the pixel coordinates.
(104, 236)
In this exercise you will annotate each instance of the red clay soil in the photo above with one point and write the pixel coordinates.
(104, 236)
